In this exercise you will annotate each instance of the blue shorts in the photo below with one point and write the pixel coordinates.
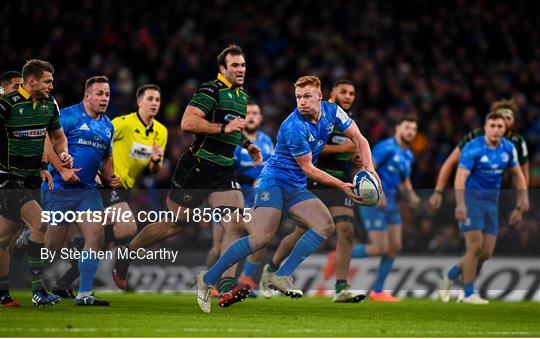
(71, 200)
(481, 216)
(377, 219)
(248, 191)
(279, 194)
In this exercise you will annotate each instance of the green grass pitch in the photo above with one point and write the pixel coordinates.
(177, 315)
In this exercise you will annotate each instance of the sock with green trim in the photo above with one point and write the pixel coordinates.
(35, 264)
(226, 285)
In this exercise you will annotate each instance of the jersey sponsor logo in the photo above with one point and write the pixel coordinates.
(140, 151)
(484, 159)
(84, 127)
(265, 196)
(230, 117)
(96, 144)
(30, 133)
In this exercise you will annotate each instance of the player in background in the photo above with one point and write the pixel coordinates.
(27, 116)
(247, 174)
(10, 82)
(138, 143)
(281, 187)
(393, 160)
(332, 160)
(216, 116)
(478, 180)
(509, 109)
(89, 133)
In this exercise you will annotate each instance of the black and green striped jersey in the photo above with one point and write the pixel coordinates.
(24, 123)
(335, 164)
(220, 103)
(519, 142)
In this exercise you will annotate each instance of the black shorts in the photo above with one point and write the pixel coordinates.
(330, 197)
(16, 191)
(111, 196)
(194, 180)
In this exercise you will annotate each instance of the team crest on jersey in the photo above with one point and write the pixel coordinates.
(329, 128)
(108, 133)
(505, 157)
(16, 98)
(45, 109)
(265, 196)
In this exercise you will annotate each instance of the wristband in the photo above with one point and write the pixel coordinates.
(44, 165)
(246, 144)
(223, 128)
(438, 191)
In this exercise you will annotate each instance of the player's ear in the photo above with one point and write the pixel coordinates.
(320, 95)
(222, 69)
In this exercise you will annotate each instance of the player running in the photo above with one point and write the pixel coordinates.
(282, 187)
(508, 108)
(89, 133)
(138, 143)
(27, 116)
(393, 160)
(205, 171)
(478, 180)
(333, 160)
(247, 174)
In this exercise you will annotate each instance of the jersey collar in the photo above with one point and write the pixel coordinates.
(24, 92)
(148, 129)
(224, 80)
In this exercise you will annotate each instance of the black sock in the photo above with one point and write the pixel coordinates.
(69, 277)
(35, 263)
(226, 285)
(479, 267)
(4, 285)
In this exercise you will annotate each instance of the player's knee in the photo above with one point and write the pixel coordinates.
(261, 240)
(382, 248)
(475, 248)
(345, 232)
(486, 255)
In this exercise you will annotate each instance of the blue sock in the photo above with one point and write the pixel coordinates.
(87, 268)
(236, 252)
(384, 269)
(468, 289)
(250, 268)
(359, 251)
(454, 272)
(307, 244)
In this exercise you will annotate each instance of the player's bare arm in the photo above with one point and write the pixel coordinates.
(107, 170)
(445, 172)
(59, 144)
(193, 122)
(68, 174)
(347, 146)
(362, 147)
(459, 189)
(522, 199)
(407, 189)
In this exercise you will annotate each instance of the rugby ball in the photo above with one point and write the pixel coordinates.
(366, 186)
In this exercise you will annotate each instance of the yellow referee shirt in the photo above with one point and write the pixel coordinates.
(132, 146)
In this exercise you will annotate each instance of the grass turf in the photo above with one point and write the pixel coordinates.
(176, 315)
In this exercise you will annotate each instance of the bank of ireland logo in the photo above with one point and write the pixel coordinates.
(265, 196)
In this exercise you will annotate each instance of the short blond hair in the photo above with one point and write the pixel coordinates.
(502, 106)
(308, 80)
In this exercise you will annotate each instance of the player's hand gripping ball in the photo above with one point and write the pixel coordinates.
(366, 186)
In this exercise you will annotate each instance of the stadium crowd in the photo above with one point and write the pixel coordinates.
(444, 64)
